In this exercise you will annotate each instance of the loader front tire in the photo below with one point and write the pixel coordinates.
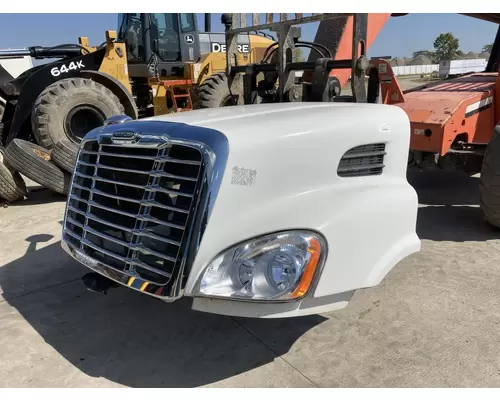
(70, 108)
(489, 183)
(214, 92)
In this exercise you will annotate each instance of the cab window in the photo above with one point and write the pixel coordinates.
(130, 30)
(165, 29)
(187, 23)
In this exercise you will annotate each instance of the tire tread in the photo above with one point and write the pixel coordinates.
(46, 103)
(44, 172)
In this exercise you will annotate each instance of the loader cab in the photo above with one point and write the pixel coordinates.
(159, 42)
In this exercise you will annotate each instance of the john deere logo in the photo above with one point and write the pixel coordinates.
(189, 39)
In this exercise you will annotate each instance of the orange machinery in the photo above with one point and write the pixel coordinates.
(451, 116)
(455, 123)
(452, 121)
(336, 35)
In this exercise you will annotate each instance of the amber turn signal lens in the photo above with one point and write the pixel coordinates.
(309, 270)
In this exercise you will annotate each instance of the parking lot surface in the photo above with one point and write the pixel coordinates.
(433, 321)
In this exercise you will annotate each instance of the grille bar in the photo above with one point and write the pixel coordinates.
(130, 261)
(131, 207)
(166, 159)
(125, 260)
(135, 231)
(76, 210)
(159, 174)
(131, 231)
(136, 216)
(144, 203)
(136, 247)
(155, 188)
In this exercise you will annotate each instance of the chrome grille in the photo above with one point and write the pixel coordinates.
(362, 160)
(130, 207)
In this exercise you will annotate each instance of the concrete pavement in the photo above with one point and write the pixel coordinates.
(432, 322)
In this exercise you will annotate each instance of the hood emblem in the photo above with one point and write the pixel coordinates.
(124, 137)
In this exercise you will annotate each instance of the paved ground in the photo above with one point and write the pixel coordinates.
(433, 322)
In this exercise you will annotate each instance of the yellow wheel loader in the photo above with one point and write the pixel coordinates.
(152, 64)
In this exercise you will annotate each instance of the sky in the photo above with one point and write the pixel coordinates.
(400, 37)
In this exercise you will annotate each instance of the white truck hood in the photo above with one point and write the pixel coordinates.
(281, 174)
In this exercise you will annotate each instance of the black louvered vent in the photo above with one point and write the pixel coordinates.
(363, 160)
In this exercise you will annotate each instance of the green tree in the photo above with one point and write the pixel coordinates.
(425, 53)
(446, 47)
(487, 48)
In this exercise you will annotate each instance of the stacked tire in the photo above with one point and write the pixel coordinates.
(61, 116)
(38, 164)
(12, 185)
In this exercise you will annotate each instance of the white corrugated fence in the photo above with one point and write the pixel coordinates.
(415, 69)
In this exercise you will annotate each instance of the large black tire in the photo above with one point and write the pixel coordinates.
(70, 108)
(2, 109)
(64, 155)
(214, 92)
(35, 162)
(489, 183)
(12, 185)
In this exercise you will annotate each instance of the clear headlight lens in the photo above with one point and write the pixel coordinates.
(274, 267)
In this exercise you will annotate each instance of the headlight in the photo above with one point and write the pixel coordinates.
(280, 266)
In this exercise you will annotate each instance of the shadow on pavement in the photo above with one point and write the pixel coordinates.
(450, 207)
(444, 188)
(454, 223)
(39, 195)
(129, 338)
